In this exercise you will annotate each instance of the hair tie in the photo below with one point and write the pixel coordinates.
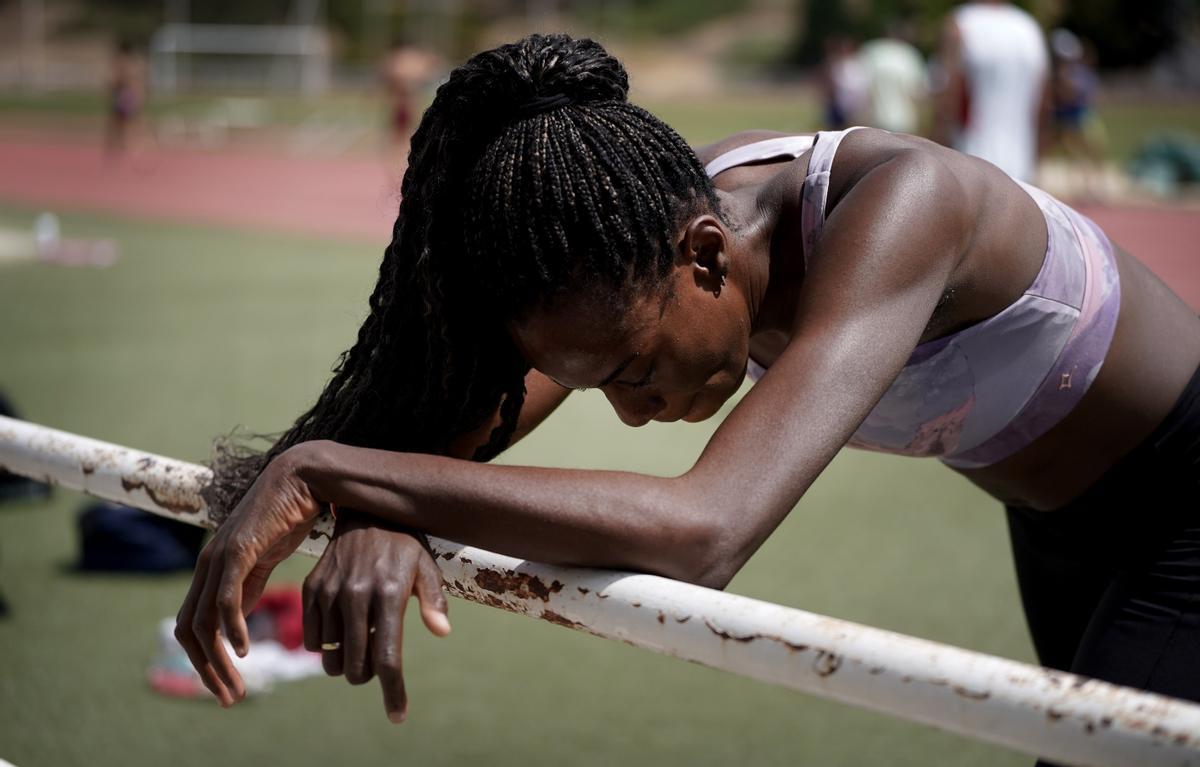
(543, 104)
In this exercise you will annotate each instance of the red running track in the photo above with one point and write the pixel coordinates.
(353, 197)
(242, 188)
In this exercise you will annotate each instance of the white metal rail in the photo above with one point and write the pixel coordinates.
(1067, 718)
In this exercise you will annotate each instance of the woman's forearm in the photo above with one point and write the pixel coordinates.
(583, 518)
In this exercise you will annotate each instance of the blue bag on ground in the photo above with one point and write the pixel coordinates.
(116, 538)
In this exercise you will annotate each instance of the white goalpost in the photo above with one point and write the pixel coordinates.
(284, 57)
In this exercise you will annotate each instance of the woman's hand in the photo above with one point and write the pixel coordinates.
(354, 603)
(270, 522)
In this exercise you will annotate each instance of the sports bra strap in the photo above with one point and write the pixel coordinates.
(783, 146)
(816, 186)
(816, 183)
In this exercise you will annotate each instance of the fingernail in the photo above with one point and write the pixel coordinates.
(397, 717)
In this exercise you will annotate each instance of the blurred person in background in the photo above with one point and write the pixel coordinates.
(843, 82)
(995, 85)
(403, 72)
(896, 79)
(882, 291)
(126, 99)
(1078, 132)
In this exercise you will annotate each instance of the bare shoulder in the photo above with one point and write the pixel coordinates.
(710, 152)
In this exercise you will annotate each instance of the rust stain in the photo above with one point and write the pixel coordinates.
(448, 556)
(180, 503)
(601, 595)
(727, 635)
(1055, 678)
(520, 585)
(88, 467)
(1054, 715)
(971, 694)
(464, 560)
(826, 663)
(1106, 721)
(561, 620)
(636, 604)
(684, 619)
(662, 618)
(876, 670)
(583, 590)
(794, 647)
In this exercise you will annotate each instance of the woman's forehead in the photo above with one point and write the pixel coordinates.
(580, 342)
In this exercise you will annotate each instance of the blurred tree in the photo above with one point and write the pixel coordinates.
(652, 18)
(1129, 33)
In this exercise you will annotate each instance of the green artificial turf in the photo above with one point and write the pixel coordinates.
(197, 330)
(1128, 124)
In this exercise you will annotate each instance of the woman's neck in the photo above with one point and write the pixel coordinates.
(768, 262)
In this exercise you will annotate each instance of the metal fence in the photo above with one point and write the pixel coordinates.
(1063, 717)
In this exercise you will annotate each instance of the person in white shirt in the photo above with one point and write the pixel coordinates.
(994, 94)
(896, 84)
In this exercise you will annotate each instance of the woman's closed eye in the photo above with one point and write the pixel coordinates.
(643, 381)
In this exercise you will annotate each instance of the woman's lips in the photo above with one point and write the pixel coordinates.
(683, 414)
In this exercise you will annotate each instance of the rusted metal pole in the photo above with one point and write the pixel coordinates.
(1066, 718)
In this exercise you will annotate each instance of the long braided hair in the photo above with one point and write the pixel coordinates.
(529, 176)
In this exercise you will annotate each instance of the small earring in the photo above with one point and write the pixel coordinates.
(717, 290)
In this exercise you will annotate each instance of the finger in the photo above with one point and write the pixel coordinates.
(206, 628)
(432, 596)
(186, 636)
(386, 656)
(256, 584)
(355, 609)
(208, 675)
(312, 610)
(331, 634)
(236, 566)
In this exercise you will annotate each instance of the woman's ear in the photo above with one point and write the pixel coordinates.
(704, 247)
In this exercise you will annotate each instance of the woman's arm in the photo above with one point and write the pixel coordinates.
(885, 257)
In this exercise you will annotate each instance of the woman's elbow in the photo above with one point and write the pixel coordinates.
(706, 556)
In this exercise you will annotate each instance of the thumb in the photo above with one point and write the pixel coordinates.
(433, 600)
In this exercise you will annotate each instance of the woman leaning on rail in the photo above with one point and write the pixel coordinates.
(885, 292)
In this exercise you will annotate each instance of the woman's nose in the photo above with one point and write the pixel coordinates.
(634, 409)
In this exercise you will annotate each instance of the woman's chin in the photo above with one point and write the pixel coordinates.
(703, 408)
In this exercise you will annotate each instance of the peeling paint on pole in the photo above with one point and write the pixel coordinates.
(1066, 718)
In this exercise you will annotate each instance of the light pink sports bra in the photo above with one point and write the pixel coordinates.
(977, 396)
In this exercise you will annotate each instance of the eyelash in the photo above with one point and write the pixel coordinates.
(645, 379)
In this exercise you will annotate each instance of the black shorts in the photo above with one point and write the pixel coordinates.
(1111, 581)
